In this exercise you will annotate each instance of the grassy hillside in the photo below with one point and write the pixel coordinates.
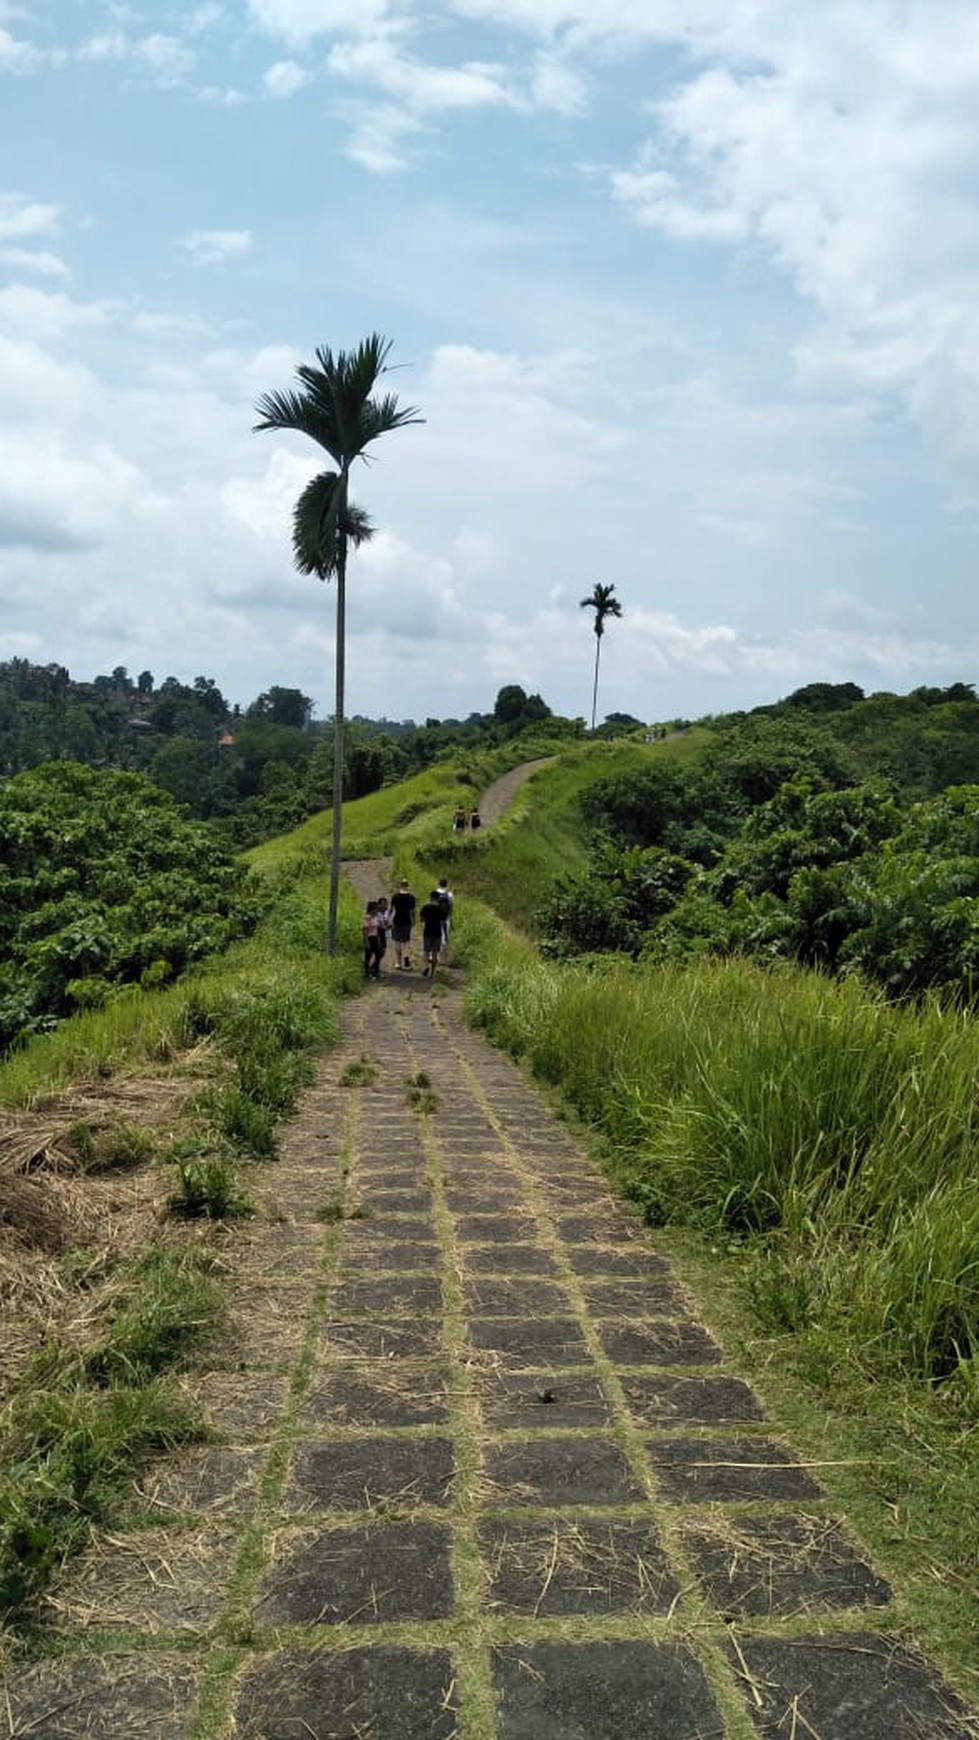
(510, 866)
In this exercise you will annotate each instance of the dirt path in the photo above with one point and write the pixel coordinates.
(481, 1471)
(498, 797)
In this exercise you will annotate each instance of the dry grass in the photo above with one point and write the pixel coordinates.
(64, 1234)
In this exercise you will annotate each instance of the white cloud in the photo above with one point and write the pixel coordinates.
(423, 89)
(52, 498)
(30, 260)
(49, 314)
(18, 56)
(555, 84)
(300, 21)
(164, 59)
(285, 78)
(848, 154)
(215, 247)
(656, 200)
(22, 218)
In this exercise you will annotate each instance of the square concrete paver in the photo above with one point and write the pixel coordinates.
(543, 1342)
(381, 1693)
(521, 1400)
(603, 1691)
(855, 1687)
(393, 1396)
(359, 1576)
(150, 1581)
(521, 1296)
(557, 1566)
(385, 1204)
(374, 1338)
(560, 1470)
(630, 1301)
(215, 1480)
(752, 1566)
(100, 1698)
(495, 1228)
(632, 1263)
(389, 1296)
(481, 1198)
(236, 1409)
(387, 1253)
(702, 1470)
(615, 1230)
(683, 1343)
(508, 1259)
(360, 1473)
(689, 1401)
(376, 1232)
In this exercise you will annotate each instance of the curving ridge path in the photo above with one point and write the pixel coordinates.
(372, 876)
(498, 797)
(481, 1469)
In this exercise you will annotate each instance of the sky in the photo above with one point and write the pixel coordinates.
(686, 291)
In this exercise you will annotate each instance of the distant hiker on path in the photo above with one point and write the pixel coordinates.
(431, 917)
(403, 905)
(459, 821)
(475, 820)
(446, 900)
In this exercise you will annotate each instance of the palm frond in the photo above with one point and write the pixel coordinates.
(318, 521)
(603, 602)
(334, 405)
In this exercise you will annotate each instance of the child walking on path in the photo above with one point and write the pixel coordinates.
(372, 942)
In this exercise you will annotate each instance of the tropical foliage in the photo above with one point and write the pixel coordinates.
(104, 882)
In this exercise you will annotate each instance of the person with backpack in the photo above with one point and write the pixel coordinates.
(431, 918)
(446, 900)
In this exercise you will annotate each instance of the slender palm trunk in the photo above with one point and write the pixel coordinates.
(594, 693)
(331, 925)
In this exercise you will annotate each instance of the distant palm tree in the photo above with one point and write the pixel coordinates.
(336, 407)
(603, 604)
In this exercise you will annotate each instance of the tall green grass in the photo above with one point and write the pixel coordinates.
(833, 1135)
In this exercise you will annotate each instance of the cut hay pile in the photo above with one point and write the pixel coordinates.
(64, 1230)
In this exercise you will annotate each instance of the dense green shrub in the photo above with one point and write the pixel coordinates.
(104, 882)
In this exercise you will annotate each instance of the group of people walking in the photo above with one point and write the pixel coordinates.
(396, 918)
(460, 821)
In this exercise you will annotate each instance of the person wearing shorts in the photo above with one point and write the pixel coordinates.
(402, 917)
(431, 917)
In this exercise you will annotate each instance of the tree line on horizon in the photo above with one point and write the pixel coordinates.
(251, 771)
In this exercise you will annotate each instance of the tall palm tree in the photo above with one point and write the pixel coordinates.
(336, 405)
(603, 604)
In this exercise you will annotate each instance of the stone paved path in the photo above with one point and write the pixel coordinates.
(484, 1472)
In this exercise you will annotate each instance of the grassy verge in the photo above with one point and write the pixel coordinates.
(119, 1300)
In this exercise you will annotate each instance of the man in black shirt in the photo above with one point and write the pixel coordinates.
(403, 909)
